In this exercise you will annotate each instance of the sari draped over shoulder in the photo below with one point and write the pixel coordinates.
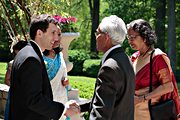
(161, 73)
(56, 69)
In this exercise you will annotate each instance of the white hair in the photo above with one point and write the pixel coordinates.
(115, 27)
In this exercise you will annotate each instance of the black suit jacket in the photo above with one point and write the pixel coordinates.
(30, 91)
(114, 90)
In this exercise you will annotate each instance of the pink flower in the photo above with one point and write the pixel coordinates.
(72, 19)
(63, 20)
(57, 17)
(66, 23)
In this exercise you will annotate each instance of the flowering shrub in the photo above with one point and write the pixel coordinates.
(66, 23)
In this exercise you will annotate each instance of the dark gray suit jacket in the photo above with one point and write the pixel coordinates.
(30, 91)
(114, 90)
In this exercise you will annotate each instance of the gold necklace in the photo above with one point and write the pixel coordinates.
(145, 52)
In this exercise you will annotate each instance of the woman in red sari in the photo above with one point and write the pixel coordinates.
(142, 38)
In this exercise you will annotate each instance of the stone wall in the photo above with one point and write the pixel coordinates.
(3, 97)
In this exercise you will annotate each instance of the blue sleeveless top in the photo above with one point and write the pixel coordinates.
(52, 65)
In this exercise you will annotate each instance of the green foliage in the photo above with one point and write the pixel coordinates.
(6, 31)
(177, 11)
(77, 57)
(178, 53)
(91, 67)
(4, 45)
(45, 6)
(4, 40)
(83, 42)
(84, 25)
(129, 10)
(127, 48)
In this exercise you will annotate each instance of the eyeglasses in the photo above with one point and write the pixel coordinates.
(97, 33)
(131, 37)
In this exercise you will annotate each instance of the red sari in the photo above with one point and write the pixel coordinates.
(162, 73)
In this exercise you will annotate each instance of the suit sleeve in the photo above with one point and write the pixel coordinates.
(85, 107)
(105, 94)
(32, 82)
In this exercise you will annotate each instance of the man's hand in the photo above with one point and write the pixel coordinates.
(72, 108)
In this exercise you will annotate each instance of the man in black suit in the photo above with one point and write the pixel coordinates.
(30, 91)
(114, 90)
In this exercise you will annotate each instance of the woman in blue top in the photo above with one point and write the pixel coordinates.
(57, 73)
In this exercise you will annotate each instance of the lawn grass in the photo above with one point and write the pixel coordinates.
(84, 84)
(2, 71)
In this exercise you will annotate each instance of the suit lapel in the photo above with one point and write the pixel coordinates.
(44, 73)
(36, 49)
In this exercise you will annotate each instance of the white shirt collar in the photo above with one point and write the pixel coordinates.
(107, 52)
(38, 46)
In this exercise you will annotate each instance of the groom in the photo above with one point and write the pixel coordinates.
(30, 91)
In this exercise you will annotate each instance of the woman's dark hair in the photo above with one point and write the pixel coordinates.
(144, 29)
(19, 45)
(57, 50)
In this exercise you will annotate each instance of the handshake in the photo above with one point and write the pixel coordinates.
(72, 108)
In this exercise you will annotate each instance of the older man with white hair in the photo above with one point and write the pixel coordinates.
(114, 90)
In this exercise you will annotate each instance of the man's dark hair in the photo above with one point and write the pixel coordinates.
(40, 22)
(19, 45)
